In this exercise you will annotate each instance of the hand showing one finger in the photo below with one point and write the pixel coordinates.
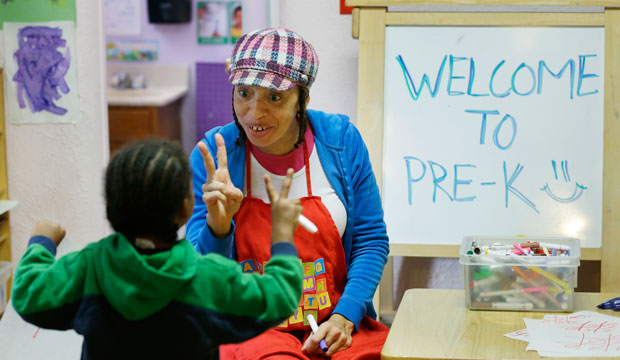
(220, 195)
(337, 335)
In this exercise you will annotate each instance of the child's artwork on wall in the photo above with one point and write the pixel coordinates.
(40, 72)
(132, 50)
(219, 21)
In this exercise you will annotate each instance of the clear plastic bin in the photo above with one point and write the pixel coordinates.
(5, 274)
(496, 277)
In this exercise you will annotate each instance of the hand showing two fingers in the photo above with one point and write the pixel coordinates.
(284, 211)
(220, 195)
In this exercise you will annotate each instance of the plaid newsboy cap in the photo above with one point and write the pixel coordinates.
(273, 58)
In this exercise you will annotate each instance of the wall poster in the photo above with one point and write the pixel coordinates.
(132, 50)
(219, 22)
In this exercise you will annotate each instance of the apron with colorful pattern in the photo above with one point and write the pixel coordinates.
(321, 254)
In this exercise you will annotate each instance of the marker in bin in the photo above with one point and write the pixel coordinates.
(315, 328)
(527, 248)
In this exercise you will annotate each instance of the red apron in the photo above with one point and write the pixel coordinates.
(324, 264)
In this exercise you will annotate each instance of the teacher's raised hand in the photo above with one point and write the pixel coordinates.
(220, 195)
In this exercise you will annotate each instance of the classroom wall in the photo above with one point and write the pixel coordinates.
(55, 170)
(178, 45)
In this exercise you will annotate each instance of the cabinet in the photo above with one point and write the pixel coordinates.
(127, 123)
(5, 238)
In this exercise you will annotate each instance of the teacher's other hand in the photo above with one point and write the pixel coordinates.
(219, 194)
(337, 334)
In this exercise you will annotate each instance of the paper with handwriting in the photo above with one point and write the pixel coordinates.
(581, 334)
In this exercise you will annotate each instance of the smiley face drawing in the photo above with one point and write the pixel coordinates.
(579, 189)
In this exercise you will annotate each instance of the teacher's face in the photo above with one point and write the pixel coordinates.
(268, 117)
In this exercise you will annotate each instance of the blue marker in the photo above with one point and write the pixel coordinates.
(610, 304)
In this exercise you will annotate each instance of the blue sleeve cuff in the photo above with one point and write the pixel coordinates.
(46, 242)
(351, 309)
(283, 248)
(210, 244)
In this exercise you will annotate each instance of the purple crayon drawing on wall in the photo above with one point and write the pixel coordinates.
(41, 71)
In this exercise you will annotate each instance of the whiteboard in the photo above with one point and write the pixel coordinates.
(476, 144)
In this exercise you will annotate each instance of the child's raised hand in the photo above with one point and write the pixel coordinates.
(50, 230)
(284, 211)
(219, 193)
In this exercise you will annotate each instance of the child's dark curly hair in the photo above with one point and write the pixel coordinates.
(301, 118)
(146, 183)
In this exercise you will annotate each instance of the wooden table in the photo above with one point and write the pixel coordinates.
(435, 324)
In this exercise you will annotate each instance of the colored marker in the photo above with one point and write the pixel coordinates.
(538, 302)
(521, 298)
(531, 281)
(518, 247)
(511, 291)
(542, 244)
(484, 282)
(608, 304)
(504, 306)
(307, 224)
(553, 278)
(555, 246)
(315, 328)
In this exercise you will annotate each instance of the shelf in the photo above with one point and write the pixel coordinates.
(7, 205)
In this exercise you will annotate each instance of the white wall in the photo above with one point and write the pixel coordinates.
(320, 23)
(55, 171)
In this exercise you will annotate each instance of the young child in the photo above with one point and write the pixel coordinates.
(142, 294)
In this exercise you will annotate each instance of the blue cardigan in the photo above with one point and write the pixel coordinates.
(345, 160)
